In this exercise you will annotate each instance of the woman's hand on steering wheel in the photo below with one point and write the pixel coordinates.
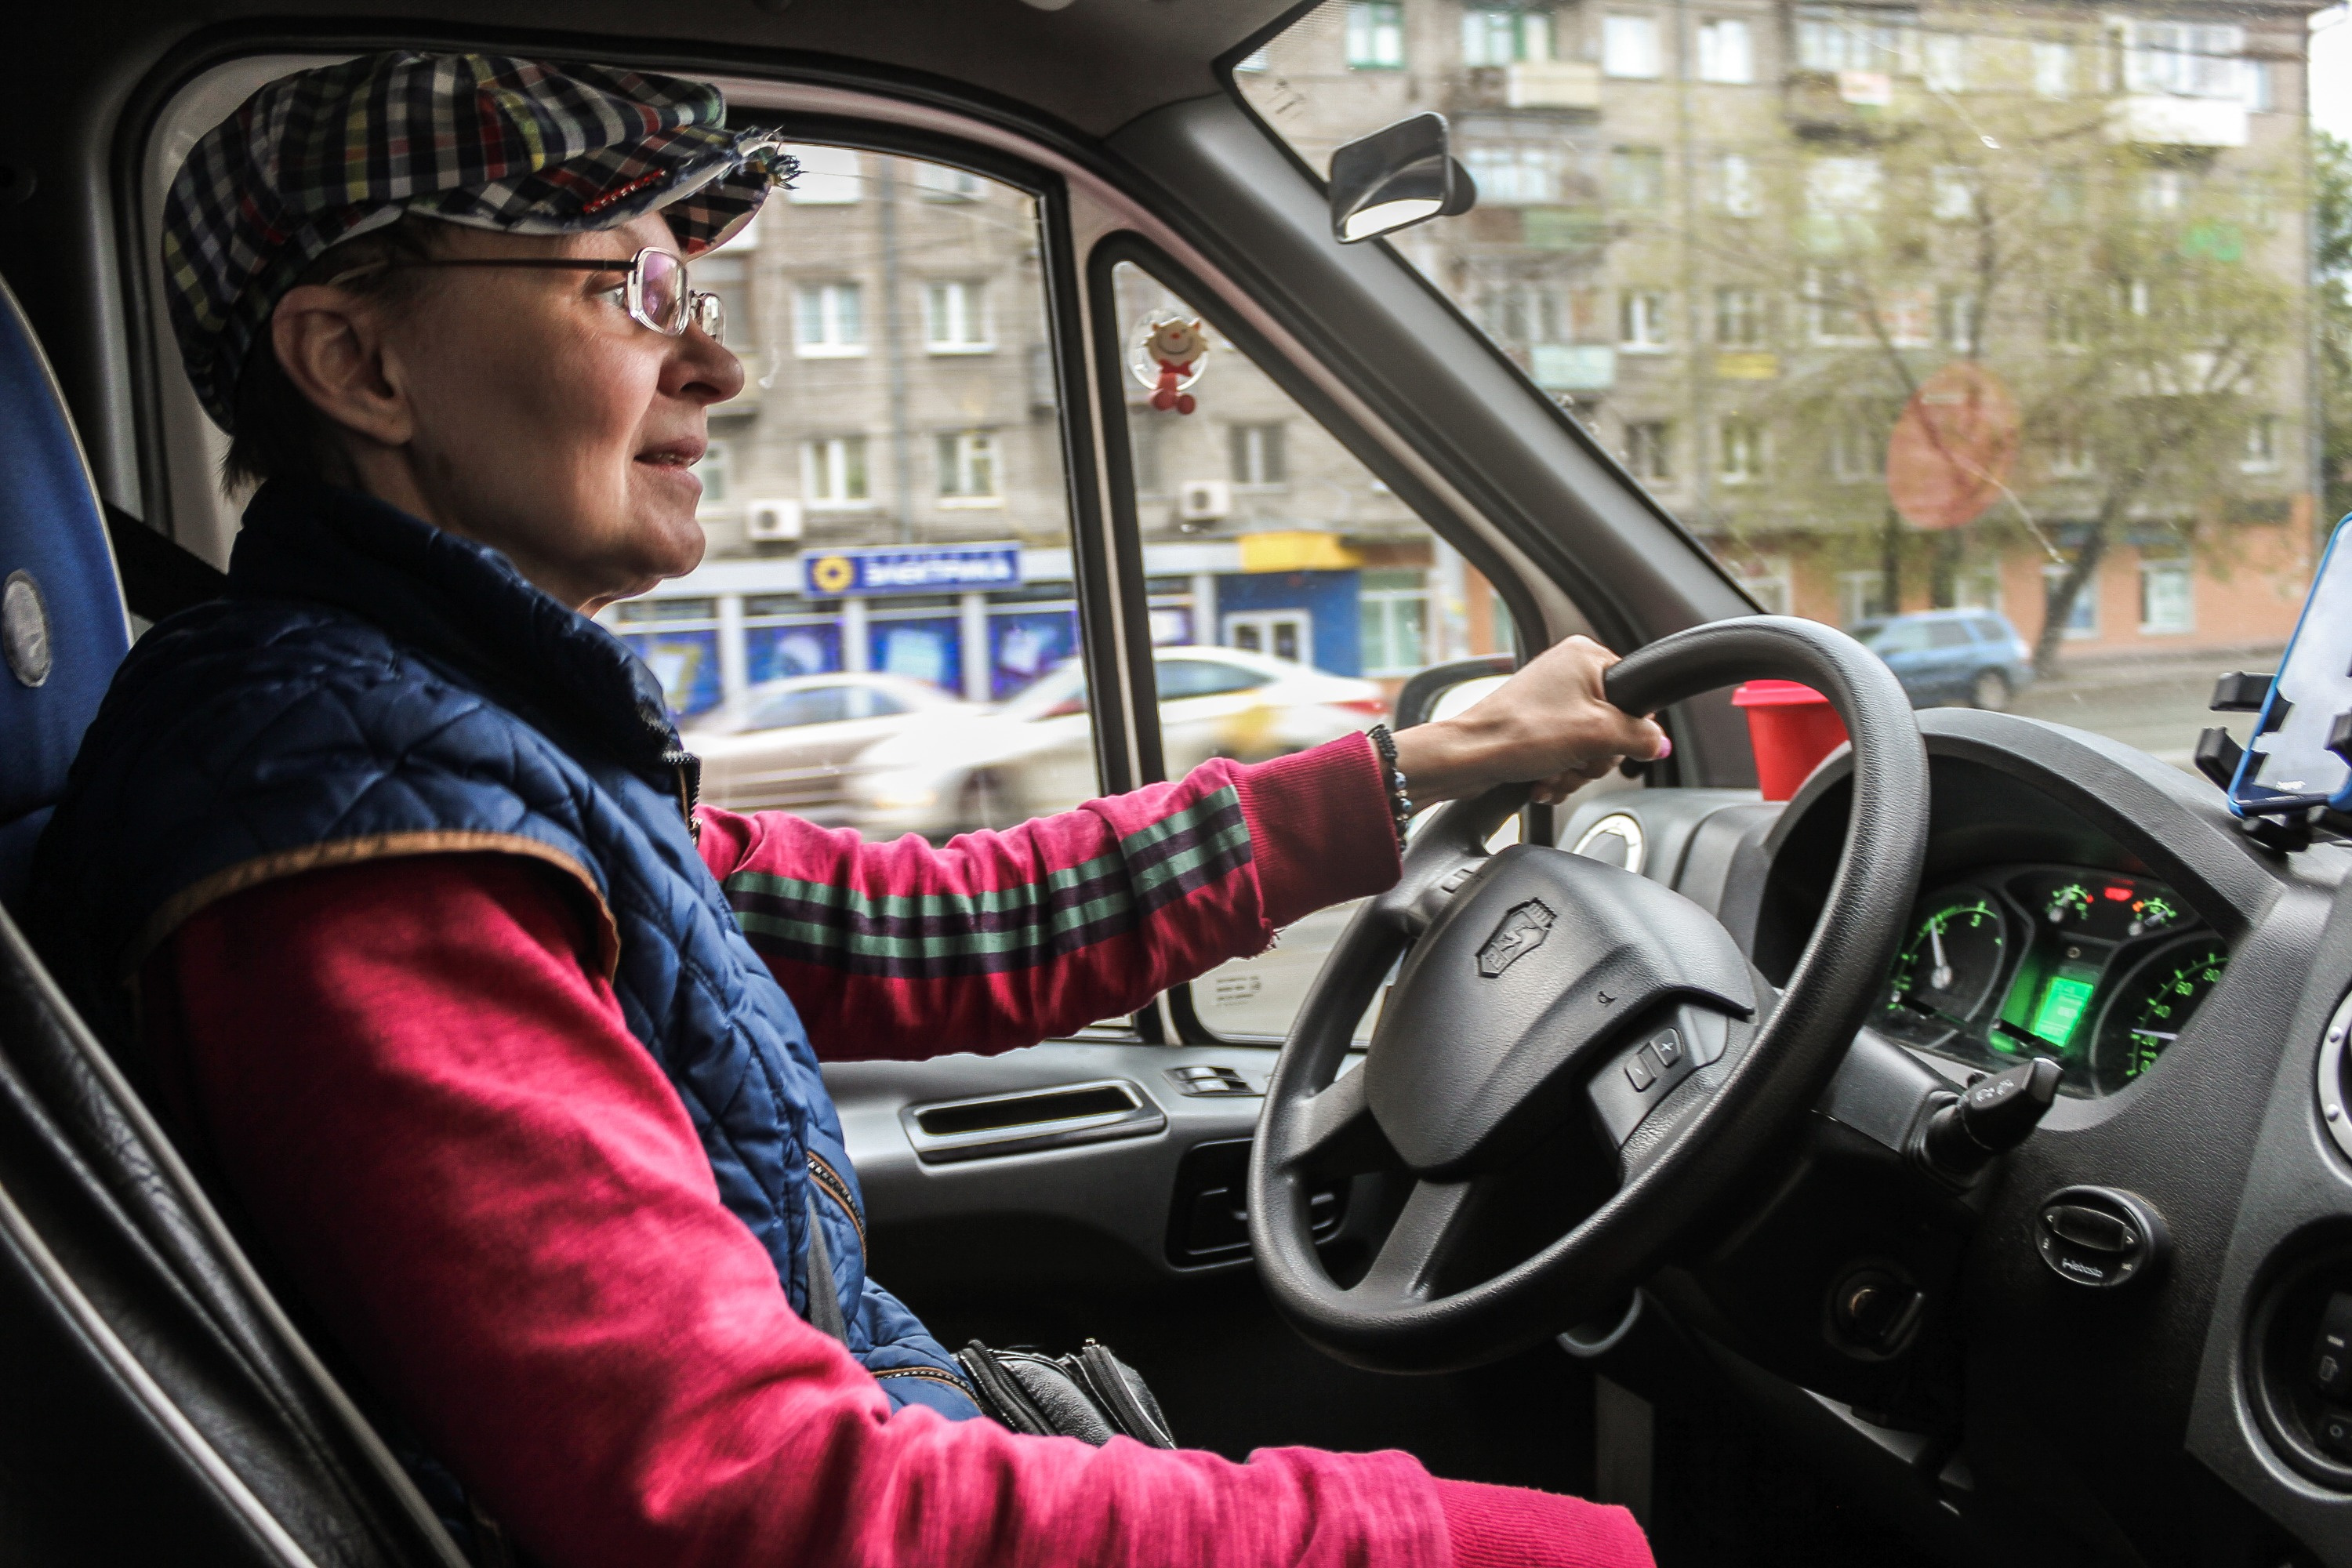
(1549, 725)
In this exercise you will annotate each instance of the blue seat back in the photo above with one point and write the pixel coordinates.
(62, 628)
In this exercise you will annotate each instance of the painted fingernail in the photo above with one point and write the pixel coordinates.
(1665, 748)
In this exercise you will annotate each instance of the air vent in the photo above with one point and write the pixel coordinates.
(1038, 1119)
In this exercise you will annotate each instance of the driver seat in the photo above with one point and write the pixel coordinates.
(161, 1407)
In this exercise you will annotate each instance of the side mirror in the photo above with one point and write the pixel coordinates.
(1396, 177)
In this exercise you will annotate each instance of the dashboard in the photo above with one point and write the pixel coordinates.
(2098, 971)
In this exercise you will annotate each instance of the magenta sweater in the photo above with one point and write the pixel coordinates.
(423, 1093)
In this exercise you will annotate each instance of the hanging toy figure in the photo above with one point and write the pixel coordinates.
(1177, 346)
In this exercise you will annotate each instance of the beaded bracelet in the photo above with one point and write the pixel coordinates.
(1400, 803)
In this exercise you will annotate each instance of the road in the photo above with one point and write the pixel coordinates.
(2156, 704)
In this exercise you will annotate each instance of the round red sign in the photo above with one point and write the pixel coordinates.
(1950, 455)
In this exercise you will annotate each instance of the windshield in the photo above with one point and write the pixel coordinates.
(1901, 309)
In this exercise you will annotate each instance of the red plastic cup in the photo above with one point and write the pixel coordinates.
(1792, 728)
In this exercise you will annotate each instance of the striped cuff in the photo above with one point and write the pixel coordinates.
(1319, 825)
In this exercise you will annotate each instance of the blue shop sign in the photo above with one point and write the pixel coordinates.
(914, 569)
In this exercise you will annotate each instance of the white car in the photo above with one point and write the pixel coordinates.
(788, 744)
(1034, 753)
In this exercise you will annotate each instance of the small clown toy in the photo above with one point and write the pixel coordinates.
(1176, 346)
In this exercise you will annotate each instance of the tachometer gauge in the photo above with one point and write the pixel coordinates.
(2152, 1006)
(1947, 969)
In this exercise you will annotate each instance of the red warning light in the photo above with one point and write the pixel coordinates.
(2117, 894)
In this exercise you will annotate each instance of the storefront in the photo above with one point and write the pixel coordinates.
(984, 621)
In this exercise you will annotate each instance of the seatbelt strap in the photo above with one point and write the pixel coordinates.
(824, 1302)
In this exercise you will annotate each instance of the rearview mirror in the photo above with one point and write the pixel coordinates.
(1403, 175)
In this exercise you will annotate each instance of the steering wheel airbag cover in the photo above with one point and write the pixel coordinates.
(1542, 960)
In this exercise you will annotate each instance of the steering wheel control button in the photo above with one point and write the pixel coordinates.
(1638, 1073)
(1669, 1049)
(1991, 1116)
(2100, 1239)
(2331, 1350)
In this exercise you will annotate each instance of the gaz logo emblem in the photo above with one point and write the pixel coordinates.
(1522, 930)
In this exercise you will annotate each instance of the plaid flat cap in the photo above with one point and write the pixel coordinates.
(486, 140)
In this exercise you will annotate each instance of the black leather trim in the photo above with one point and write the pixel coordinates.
(140, 1253)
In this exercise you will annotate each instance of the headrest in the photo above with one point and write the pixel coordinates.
(62, 630)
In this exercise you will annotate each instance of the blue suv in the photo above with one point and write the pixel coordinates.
(1974, 657)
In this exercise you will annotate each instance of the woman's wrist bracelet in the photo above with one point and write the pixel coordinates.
(1393, 777)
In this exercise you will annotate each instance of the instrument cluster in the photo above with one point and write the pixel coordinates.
(2097, 971)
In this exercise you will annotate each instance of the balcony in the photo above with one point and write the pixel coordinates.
(1574, 367)
(1570, 85)
(2170, 120)
(1859, 106)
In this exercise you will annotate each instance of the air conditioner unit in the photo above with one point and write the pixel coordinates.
(1204, 500)
(768, 519)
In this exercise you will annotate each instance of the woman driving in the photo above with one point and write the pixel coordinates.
(386, 870)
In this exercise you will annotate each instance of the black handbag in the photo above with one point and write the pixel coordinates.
(1093, 1395)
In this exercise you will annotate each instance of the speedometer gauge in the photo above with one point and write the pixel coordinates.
(2152, 1006)
(1947, 969)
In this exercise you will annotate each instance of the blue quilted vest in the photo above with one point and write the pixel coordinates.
(372, 687)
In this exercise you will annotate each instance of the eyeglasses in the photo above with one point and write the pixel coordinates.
(654, 292)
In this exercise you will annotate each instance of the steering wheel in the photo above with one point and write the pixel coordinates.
(1533, 980)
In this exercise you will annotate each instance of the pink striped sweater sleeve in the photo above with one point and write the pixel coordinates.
(1000, 939)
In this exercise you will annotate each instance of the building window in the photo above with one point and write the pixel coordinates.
(1855, 452)
(1735, 192)
(1637, 177)
(2168, 599)
(968, 469)
(955, 318)
(1256, 455)
(1959, 324)
(1650, 451)
(939, 182)
(1514, 173)
(1522, 313)
(830, 321)
(2188, 59)
(1944, 62)
(1375, 35)
(1766, 578)
(2069, 331)
(1641, 322)
(1862, 597)
(2053, 70)
(2070, 457)
(1835, 300)
(2162, 192)
(1629, 46)
(1740, 454)
(716, 472)
(1725, 51)
(1740, 318)
(1393, 617)
(2082, 620)
(833, 474)
(2262, 453)
(829, 177)
(1952, 193)
(1856, 38)
(1502, 36)
(1844, 187)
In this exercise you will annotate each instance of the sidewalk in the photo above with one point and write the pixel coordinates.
(2155, 702)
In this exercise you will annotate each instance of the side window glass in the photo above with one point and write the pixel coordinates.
(1269, 541)
(893, 512)
(2004, 307)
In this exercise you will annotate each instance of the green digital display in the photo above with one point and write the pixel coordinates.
(2063, 1002)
